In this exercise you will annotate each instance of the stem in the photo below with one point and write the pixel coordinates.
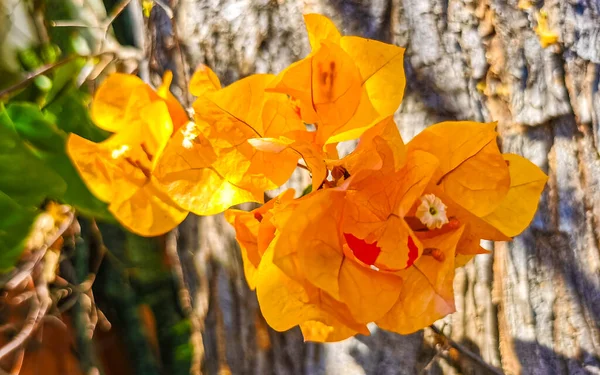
(463, 350)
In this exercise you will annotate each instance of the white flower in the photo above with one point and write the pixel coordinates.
(190, 133)
(432, 211)
(118, 152)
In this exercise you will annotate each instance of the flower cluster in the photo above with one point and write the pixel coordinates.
(379, 236)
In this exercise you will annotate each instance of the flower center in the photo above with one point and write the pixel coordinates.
(432, 211)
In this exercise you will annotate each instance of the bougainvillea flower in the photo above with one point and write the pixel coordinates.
(120, 99)
(120, 169)
(349, 241)
(210, 166)
(254, 231)
(346, 85)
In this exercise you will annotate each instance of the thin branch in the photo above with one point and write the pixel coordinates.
(302, 166)
(40, 304)
(114, 14)
(466, 352)
(24, 271)
(30, 76)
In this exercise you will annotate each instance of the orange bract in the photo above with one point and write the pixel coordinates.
(346, 85)
(379, 236)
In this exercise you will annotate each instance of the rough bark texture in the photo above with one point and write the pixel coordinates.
(533, 305)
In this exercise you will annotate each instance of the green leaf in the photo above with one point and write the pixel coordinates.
(69, 111)
(23, 176)
(32, 126)
(64, 76)
(48, 142)
(14, 229)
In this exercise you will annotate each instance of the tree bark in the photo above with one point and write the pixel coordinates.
(532, 306)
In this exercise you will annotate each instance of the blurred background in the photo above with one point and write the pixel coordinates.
(107, 302)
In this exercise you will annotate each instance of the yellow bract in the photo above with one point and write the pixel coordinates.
(120, 170)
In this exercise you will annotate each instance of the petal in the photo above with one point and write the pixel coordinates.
(369, 294)
(427, 294)
(283, 302)
(112, 98)
(203, 81)
(279, 117)
(472, 170)
(231, 116)
(306, 150)
(516, 211)
(327, 85)
(246, 233)
(320, 28)
(365, 156)
(99, 170)
(381, 67)
(178, 115)
(146, 211)
(332, 331)
(190, 179)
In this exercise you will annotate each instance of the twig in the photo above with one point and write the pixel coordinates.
(40, 304)
(302, 166)
(30, 76)
(24, 271)
(69, 23)
(113, 15)
(463, 350)
(16, 369)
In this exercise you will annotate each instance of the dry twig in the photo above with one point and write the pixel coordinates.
(466, 352)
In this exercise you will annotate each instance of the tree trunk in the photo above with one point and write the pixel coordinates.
(532, 306)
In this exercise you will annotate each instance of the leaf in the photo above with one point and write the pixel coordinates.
(63, 76)
(14, 229)
(23, 176)
(517, 209)
(49, 142)
(70, 114)
(472, 171)
(32, 126)
(427, 293)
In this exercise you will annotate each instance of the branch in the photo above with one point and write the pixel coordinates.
(466, 352)
(23, 271)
